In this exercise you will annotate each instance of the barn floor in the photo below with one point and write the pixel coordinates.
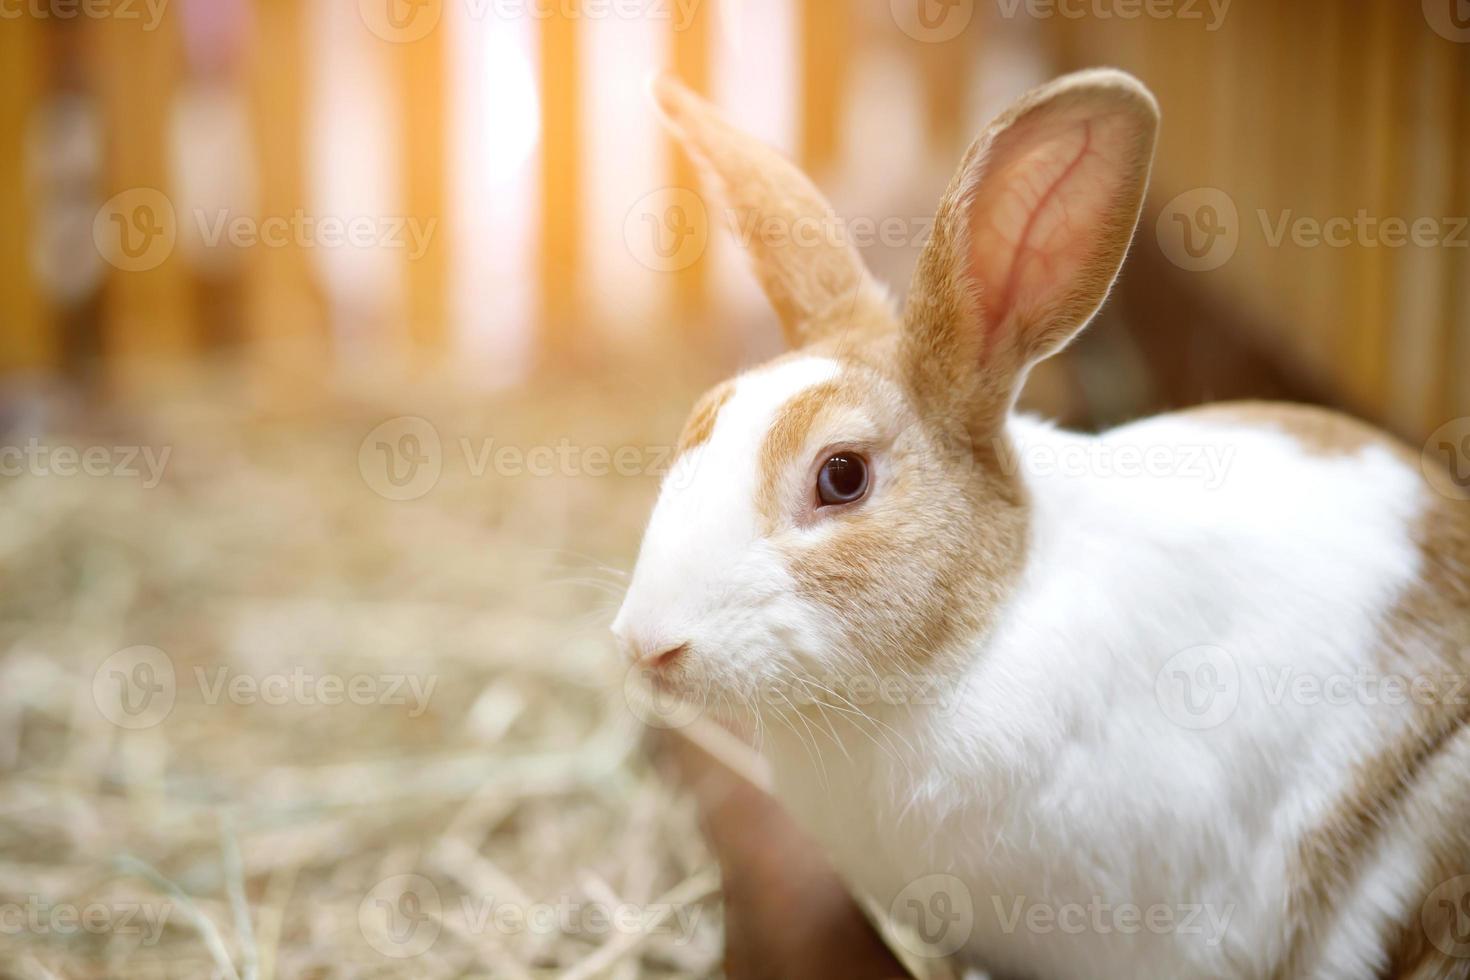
(259, 720)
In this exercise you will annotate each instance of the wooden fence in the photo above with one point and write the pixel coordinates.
(1311, 183)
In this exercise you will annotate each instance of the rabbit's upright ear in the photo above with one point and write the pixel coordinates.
(808, 268)
(1027, 240)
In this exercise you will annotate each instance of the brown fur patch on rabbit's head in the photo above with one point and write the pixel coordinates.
(746, 571)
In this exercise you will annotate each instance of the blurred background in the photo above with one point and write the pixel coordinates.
(475, 189)
(342, 343)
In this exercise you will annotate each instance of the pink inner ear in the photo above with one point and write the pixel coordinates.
(1041, 210)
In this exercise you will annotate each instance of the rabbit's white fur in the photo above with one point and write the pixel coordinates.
(706, 578)
(1142, 727)
(1056, 779)
(1050, 774)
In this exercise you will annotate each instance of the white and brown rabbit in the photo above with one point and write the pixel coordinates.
(1184, 699)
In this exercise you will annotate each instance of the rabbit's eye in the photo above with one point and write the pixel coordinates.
(842, 479)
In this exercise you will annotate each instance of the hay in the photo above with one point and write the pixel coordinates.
(501, 822)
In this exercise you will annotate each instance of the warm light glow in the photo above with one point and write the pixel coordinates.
(495, 138)
(512, 109)
(625, 159)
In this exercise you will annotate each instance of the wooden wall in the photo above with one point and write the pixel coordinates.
(1314, 110)
(1331, 128)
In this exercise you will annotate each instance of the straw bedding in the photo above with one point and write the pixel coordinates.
(397, 744)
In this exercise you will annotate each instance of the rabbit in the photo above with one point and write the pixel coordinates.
(1055, 715)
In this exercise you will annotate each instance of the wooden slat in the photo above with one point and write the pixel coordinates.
(27, 338)
(1246, 101)
(1283, 177)
(1455, 376)
(1319, 173)
(147, 318)
(826, 49)
(1187, 141)
(1312, 112)
(689, 61)
(1237, 169)
(422, 66)
(1420, 314)
(559, 258)
(284, 314)
(1367, 140)
(945, 69)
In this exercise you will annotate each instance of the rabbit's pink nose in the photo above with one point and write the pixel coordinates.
(646, 654)
(663, 658)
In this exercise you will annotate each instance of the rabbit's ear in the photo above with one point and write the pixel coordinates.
(1027, 240)
(808, 268)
